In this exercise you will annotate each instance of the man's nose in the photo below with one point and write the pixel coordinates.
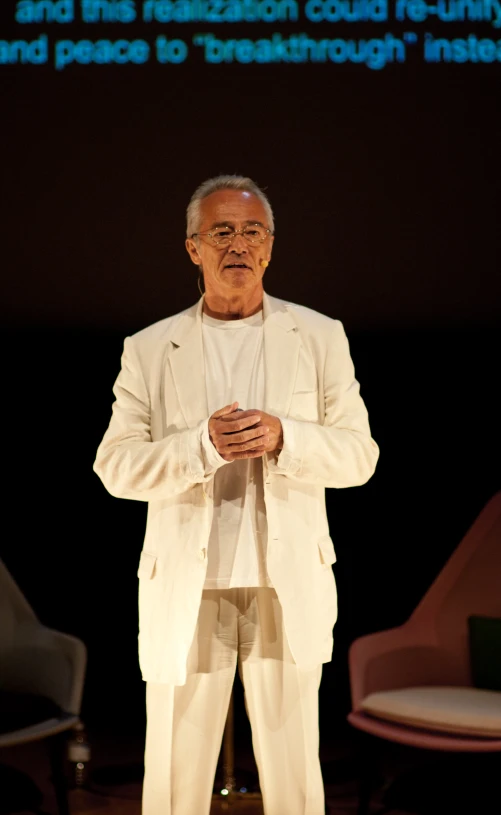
(239, 244)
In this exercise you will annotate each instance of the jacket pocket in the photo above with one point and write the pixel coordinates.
(326, 551)
(147, 563)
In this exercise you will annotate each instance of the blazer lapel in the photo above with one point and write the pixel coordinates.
(187, 366)
(281, 355)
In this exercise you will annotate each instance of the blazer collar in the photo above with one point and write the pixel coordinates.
(281, 353)
(187, 365)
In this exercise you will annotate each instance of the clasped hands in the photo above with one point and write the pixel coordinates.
(244, 434)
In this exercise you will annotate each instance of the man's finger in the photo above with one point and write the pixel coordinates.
(243, 436)
(257, 452)
(225, 410)
(240, 447)
(243, 414)
(239, 423)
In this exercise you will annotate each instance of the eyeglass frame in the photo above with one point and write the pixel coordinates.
(234, 234)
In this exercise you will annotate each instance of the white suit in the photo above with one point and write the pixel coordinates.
(152, 452)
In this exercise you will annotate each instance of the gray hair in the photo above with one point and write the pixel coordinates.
(223, 182)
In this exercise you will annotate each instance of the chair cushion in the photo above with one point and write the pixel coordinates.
(467, 711)
(485, 651)
(18, 710)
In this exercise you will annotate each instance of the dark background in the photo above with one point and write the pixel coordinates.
(385, 188)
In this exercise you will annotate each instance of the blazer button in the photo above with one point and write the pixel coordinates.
(201, 554)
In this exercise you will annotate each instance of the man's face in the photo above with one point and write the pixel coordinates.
(232, 269)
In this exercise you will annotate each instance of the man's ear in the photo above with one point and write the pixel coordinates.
(192, 250)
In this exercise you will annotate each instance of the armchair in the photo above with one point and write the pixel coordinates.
(42, 675)
(413, 684)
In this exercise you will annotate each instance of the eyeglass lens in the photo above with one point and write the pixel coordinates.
(252, 234)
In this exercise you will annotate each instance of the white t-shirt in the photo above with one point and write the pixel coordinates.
(234, 372)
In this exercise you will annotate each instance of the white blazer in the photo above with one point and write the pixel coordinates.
(152, 452)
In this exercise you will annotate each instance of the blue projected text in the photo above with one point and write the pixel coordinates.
(321, 32)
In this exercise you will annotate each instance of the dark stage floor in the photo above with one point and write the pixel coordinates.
(409, 782)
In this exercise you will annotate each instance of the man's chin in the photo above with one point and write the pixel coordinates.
(240, 279)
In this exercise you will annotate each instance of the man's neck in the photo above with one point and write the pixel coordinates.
(233, 308)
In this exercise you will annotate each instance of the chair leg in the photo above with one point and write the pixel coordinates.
(57, 748)
(366, 759)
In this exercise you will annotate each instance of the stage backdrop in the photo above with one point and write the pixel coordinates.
(374, 126)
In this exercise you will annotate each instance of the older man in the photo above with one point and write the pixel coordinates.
(230, 419)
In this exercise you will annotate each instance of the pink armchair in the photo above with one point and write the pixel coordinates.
(413, 684)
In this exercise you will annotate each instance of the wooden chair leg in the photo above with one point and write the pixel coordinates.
(57, 751)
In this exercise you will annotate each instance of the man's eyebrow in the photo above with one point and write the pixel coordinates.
(216, 224)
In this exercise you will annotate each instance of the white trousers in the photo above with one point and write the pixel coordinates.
(185, 723)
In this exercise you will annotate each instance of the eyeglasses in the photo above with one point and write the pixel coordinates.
(224, 235)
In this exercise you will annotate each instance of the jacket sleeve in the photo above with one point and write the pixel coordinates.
(340, 452)
(130, 464)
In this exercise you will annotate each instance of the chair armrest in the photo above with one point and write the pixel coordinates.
(397, 658)
(48, 663)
